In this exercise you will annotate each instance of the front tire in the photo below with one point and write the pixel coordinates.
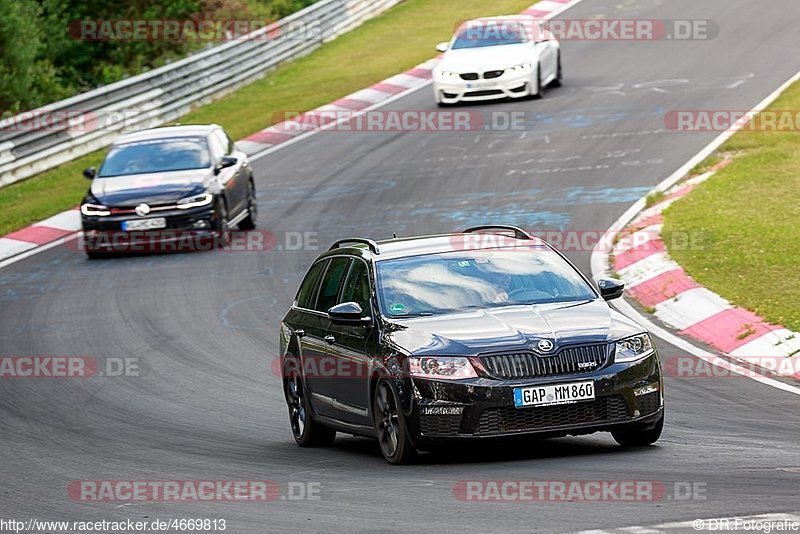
(249, 222)
(96, 254)
(558, 82)
(539, 94)
(639, 437)
(306, 430)
(390, 426)
(221, 227)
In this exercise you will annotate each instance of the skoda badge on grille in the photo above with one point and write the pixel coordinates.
(545, 345)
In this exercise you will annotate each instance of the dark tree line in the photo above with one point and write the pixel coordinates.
(41, 60)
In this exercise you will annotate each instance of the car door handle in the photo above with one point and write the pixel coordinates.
(299, 333)
(330, 340)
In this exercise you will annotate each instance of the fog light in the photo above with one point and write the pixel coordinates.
(652, 388)
(200, 225)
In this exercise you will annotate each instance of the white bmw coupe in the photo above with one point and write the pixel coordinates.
(499, 57)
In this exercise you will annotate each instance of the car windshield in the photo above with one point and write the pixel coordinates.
(489, 34)
(454, 282)
(157, 155)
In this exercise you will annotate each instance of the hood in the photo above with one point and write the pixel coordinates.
(151, 188)
(513, 328)
(487, 58)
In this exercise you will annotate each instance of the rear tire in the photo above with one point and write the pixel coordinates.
(638, 437)
(390, 426)
(306, 430)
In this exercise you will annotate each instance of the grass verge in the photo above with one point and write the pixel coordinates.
(394, 42)
(747, 215)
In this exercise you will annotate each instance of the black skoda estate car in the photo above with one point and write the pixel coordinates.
(165, 185)
(488, 333)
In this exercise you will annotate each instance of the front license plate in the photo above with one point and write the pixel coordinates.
(144, 224)
(554, 394)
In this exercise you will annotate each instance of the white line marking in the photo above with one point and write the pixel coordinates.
(11, 247)
(37, 250)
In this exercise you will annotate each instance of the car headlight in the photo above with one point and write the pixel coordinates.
(448, 76)
(441, 367)
(195, 201)
(95, 210)
(633, 348)
(523, 68)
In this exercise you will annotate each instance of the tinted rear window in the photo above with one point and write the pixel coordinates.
(330, 284)
(307, 292)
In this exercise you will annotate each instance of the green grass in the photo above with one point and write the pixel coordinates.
(749, 213)
(401, 38)
(654, 198)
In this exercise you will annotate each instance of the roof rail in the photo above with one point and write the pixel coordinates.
(373, 246)
(519, 233)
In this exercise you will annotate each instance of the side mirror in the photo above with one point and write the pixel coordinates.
(442, 47)
(348, 314)
(224, 163)
(610, 288)
(90, 173)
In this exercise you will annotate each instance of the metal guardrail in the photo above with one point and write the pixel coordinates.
(90, 121)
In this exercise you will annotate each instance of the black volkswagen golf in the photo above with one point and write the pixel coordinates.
(488, 333)
(166, 187)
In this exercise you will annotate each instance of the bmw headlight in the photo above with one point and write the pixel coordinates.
(524, 68)
(95, 210)
(195, 201)
(633, 348)
(441, 367)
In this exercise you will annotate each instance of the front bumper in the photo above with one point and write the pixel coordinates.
(506, 86)
(484, 408)
(190, 229)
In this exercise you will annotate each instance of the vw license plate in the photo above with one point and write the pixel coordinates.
(554, 394)
(144, 224)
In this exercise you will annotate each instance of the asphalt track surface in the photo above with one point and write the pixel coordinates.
(204, 326)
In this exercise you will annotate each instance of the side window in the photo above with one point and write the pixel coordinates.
(308, 289)
(356, 288)
(331, 283)
(217, 146)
